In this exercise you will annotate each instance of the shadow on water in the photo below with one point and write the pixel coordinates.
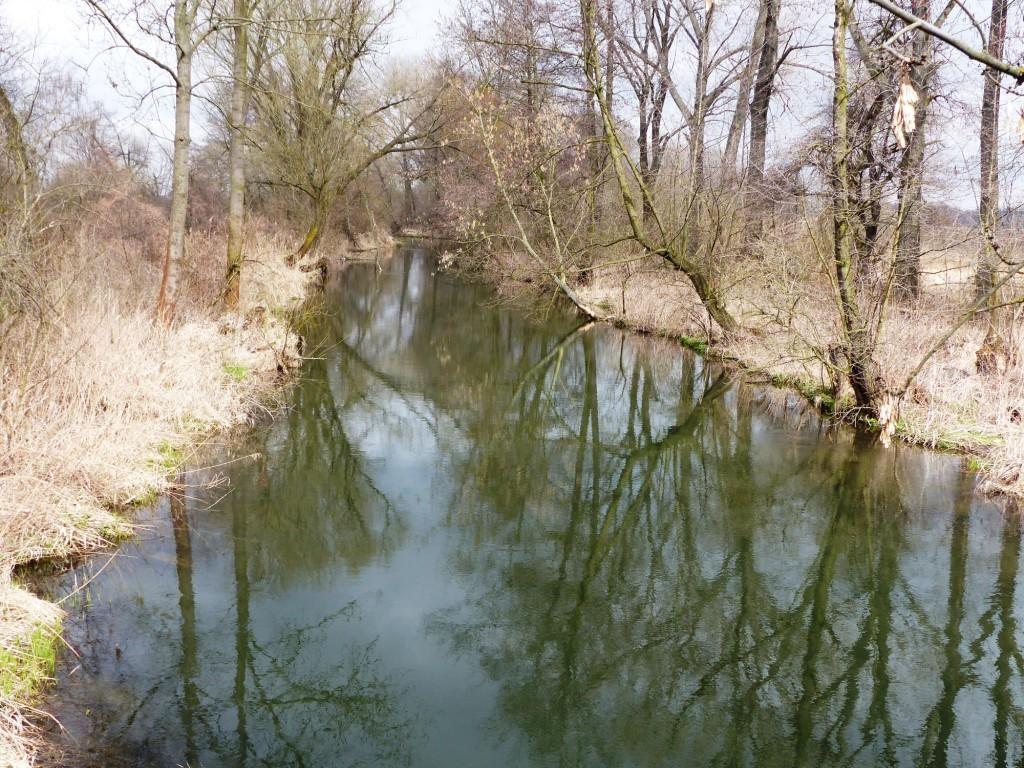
(484, 539)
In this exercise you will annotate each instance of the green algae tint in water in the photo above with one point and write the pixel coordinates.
(484, 539)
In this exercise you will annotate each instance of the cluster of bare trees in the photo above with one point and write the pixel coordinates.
(299, 101)
(701, 135)
(675, 104)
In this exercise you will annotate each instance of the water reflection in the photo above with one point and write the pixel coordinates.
(482, 539)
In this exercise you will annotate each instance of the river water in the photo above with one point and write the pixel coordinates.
(484, 538)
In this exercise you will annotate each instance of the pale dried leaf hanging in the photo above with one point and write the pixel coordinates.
(887, 422)
(708, 5)
(1020, 126)
(904, 112)
(888, 414)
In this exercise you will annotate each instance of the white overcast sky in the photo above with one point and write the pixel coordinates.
(63, 38)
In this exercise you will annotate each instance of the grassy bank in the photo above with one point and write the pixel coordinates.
(950, 405)
(99, 407)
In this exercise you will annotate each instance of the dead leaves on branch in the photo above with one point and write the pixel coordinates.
(904, 112)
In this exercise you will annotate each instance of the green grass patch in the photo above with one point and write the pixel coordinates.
(817, 394)
(236, 371)
(25, 667)
(700, 346)
(146, 499)
(169, 457)
(977, 464)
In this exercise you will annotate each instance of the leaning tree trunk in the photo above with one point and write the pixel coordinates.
(236, 155)
(864, 376)
(988, 197)
(321, 205)
(665, 248)
(174, 256)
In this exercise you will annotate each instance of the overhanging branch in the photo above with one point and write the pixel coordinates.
(979, 55)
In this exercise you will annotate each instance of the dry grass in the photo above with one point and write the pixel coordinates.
(98, 406)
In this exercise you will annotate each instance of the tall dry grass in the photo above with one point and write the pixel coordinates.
(97, 404)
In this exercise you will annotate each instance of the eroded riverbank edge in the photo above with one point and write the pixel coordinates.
(239, 367)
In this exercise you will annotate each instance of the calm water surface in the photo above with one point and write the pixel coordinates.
(484, 539)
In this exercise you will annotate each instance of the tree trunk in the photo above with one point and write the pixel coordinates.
(742, 111)
(759, 117)
(16, 147)
(236, 154)
(988, 198)
(609, 56)
(865, 379)
(644, 144)
(907, 281)
(531, 64)
(316, 229)
(408, 196)
(597, 155)
(167, 299)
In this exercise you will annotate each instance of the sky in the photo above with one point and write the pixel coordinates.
(63, 38)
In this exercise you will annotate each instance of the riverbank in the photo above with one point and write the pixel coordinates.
(949, 407)
(100, 408)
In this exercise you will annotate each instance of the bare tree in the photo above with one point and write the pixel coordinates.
(16, 146)
(321, 121)
(920, 70)
(988, 278)
(189, 26)
(651, 28)
(240, 89)
(679, 251)
(852, 222)
(738, 124)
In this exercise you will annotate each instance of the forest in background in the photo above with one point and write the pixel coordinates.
(824, 194)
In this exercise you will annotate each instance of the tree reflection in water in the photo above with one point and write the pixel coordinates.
(481, 539)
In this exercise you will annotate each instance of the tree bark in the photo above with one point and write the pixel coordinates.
(988, 198)
(321, 205)
(746, 82)
(17, 147)
(865, 379)
(759, 116)
(184, 18)
(236, 154)
(408, 196)
(907, 283)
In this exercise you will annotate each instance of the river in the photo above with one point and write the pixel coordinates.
(486, 537)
